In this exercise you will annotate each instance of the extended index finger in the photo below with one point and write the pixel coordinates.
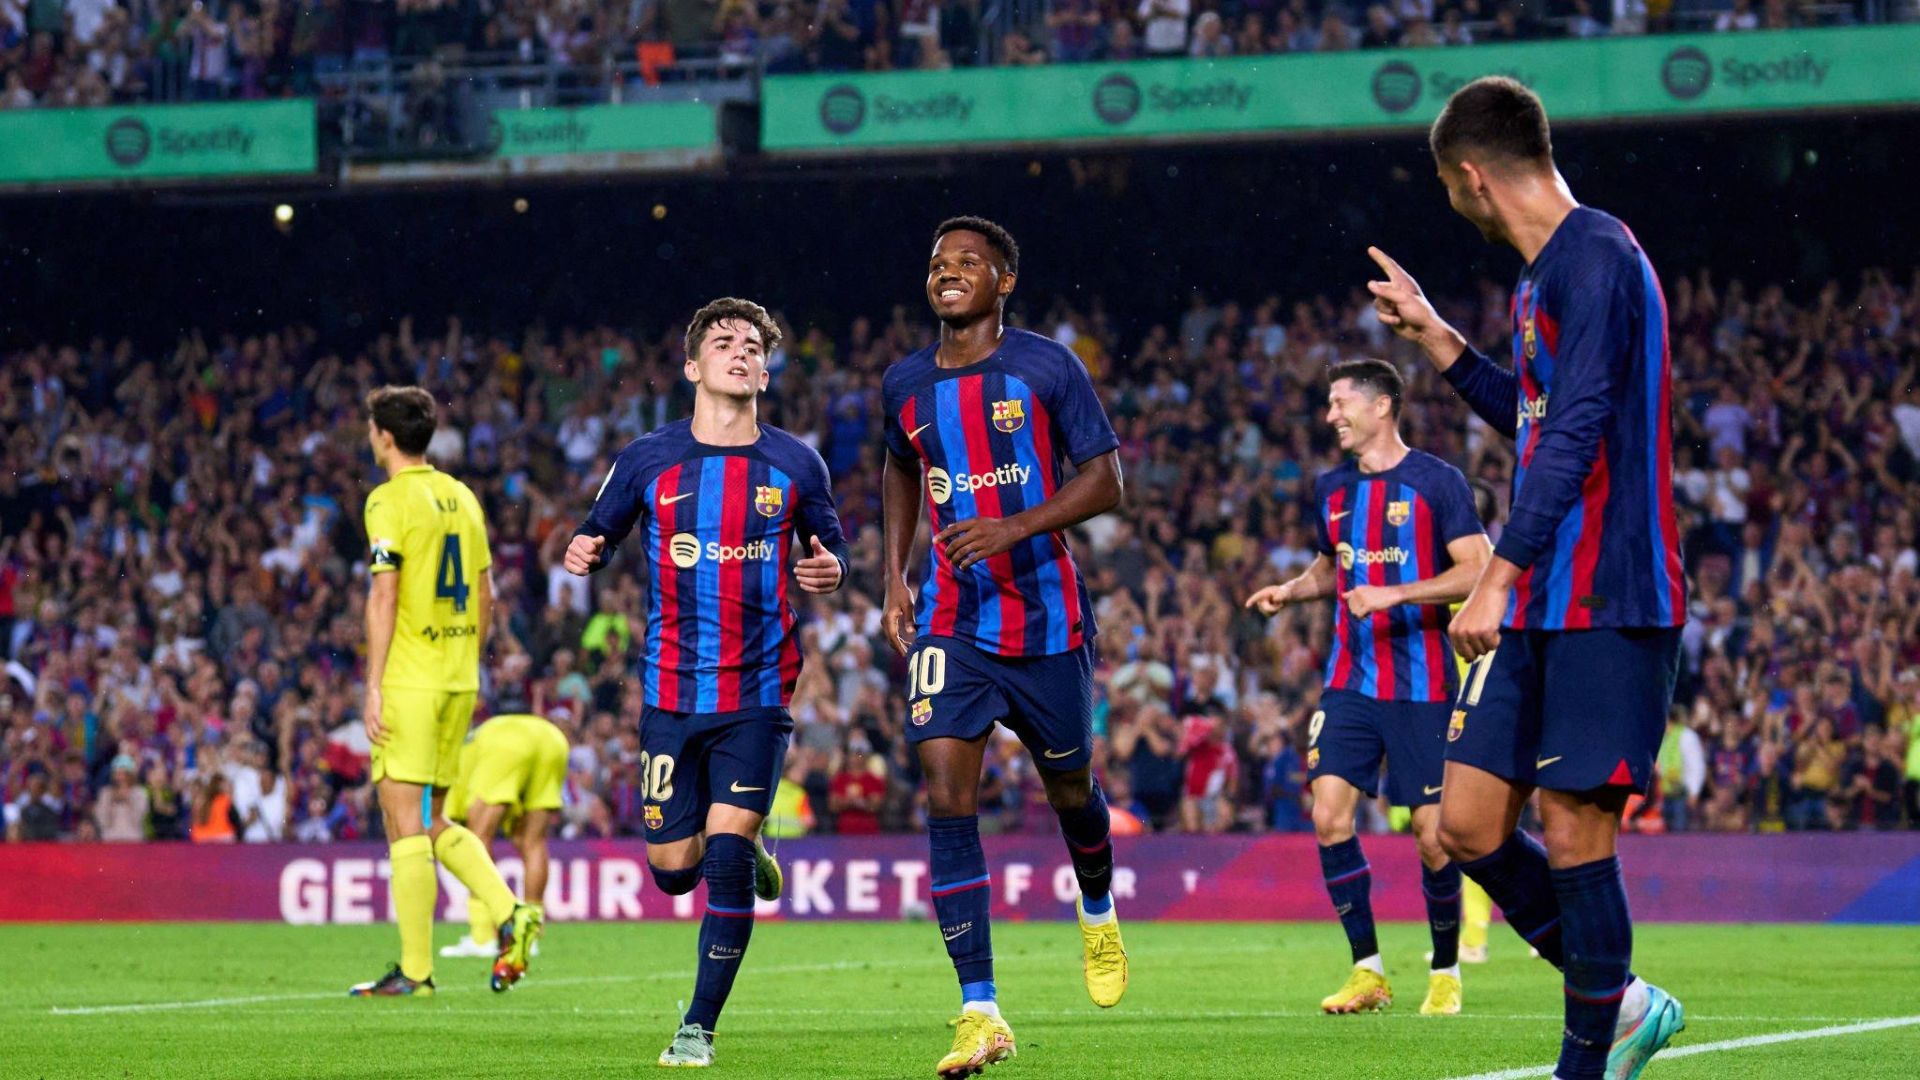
(1395, 273)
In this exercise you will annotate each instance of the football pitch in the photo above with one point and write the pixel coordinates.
(867, 1000)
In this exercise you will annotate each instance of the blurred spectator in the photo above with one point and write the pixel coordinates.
(1165, 23)
(857, 791)
(121, 810)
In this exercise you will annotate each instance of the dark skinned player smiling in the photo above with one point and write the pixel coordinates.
(980, 429)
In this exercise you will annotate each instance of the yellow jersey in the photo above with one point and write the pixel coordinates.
(427, 527)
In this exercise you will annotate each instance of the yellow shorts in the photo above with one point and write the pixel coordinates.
(424, 732)
(516, 761)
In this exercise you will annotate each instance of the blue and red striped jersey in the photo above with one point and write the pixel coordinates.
(1592, 524)
(993, 439)
(718, 527)
(1392, 528)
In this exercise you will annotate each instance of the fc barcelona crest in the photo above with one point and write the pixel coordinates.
(1529, 341)
(1399, 512)
(769, 500)
(1456, 724)
(1009, 416)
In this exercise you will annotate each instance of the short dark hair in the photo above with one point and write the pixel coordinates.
(406, 413)
(999, 239)
(1493, 115)
(1377, 377)
(724, 309)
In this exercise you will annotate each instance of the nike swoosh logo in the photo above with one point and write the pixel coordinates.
(1338, 516)
(738, 790)
(956, 934)
(1546, 761)
(669, 500)
(1056, 755)
(915, 433)
(1424, 790)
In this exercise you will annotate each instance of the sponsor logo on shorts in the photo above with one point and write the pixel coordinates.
(1434, 790)
(1056, 755)
(1457, 724)
(435, 633)
(922, 712)
(738, 790)
(1546, 761)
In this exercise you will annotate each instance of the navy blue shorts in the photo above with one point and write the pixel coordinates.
(1352, 734)
(689, 761)
(1568, 710)
(955, 691)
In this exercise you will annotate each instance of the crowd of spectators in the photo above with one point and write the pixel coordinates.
(182, 564)
(96, 52)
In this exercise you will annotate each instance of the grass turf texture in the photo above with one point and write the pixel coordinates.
(871, 1000)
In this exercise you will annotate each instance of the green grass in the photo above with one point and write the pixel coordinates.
(1208, 1002)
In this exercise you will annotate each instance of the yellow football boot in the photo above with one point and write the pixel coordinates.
(979, 1040)
(1366, 990)
(1443, 995)
(1105, 961)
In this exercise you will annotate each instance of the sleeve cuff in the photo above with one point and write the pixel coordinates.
(1463, 368)
(1524, 537)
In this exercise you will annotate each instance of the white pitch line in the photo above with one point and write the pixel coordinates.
(267, 999)
(1727, 1044)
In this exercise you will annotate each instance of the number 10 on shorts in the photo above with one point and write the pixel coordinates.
(927, 672)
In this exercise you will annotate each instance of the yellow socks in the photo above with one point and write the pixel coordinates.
(462, 852)
(1476, 914)
(482, 923)
(415, 888)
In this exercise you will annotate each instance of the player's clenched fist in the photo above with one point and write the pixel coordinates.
(819, 572)
(583, 555)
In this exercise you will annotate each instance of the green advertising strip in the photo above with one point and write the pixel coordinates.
(153, 142)
(604, 129)
(1616, 77)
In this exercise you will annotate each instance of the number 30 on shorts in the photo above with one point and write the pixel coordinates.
(656, 777)
(927, 672)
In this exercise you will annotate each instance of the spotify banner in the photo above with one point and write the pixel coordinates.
(151, 142)
(1404, 88)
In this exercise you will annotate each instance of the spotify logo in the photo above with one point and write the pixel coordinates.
(939, 485)
(684, 548)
